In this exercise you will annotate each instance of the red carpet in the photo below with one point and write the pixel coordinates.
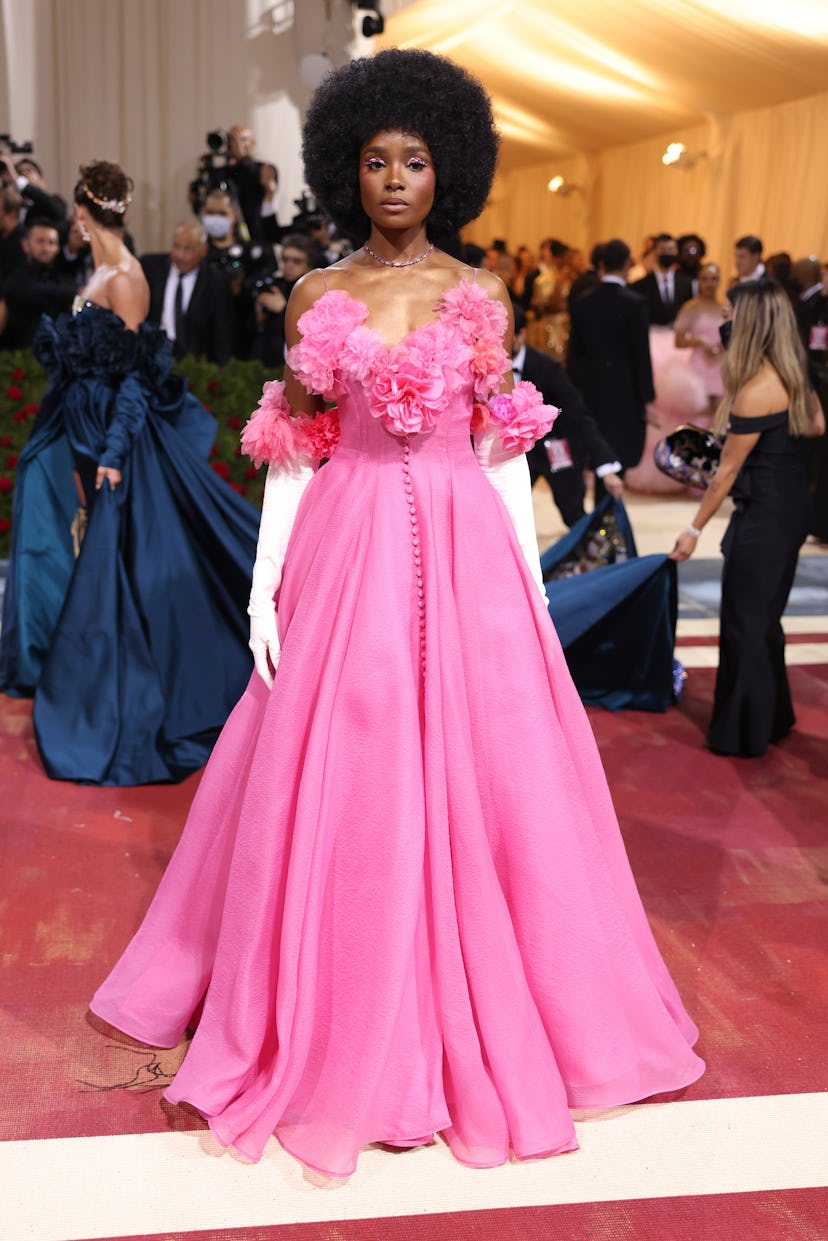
(731, 857)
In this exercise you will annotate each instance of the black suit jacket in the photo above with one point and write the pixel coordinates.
(574, 423)
(43, 205)
(208, 320)
(609, 362)
(661, 312)
(30, 292)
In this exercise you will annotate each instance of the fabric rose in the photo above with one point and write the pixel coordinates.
(325, 328)
(268, 435)
(363, 354)
(468, 307)
(275, 435)
(489, 363)
(321, 434)
(521, 416)
(481, 322)
(410, 392)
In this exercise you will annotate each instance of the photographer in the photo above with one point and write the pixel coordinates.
(37, 286)
(300, 254)
(230, 165)
(241, 262)
(12, 232)
(36, 198)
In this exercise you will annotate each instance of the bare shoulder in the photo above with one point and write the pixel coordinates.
(495, 288)
(763, 394)
(127, 293)
(308, 289)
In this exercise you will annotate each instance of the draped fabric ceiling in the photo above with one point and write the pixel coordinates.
(575, 86)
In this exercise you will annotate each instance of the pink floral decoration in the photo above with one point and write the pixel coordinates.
(321, 434)
(274, 435)
(489, 363)
(409, 396)
(480, 417)
(268, 435)
(468, 307)
(325, 328)
(481, 321)
(363, 354)
(521, 416)
(418, 379)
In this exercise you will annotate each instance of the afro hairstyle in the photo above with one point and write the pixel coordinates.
(419, 93)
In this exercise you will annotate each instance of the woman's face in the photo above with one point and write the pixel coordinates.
(709, 281)
(396, 179)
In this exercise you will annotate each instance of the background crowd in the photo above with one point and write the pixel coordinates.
(627, 366)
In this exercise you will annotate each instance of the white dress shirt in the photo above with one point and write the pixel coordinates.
(187, 286)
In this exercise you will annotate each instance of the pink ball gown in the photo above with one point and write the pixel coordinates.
(401, 902)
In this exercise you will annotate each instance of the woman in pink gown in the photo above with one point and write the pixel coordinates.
(697, 329)
(401, 903)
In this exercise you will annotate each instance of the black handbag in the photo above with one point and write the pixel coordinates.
(690, 455)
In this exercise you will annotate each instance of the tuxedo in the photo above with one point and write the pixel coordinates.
(574, 424)
(207, 327)
(663, 312)
(608, 360)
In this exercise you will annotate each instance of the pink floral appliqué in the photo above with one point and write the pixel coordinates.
(481, 321)
(417, 380)
(521, 416)
(274, 435)
(316, 360)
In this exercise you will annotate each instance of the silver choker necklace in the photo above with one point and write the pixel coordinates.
(391, 263)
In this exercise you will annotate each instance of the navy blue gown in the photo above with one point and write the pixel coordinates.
(136, 652)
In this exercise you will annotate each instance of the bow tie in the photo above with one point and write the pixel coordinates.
(517, 370)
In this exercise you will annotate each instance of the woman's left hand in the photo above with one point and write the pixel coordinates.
(107, 472)
(685, 546)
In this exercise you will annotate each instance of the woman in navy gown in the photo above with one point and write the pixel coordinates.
(125, 617)
(767, 409)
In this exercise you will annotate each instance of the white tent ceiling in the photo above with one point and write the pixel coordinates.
(587, 75)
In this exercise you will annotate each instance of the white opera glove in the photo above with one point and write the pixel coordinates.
(284, 488)
(508, 473)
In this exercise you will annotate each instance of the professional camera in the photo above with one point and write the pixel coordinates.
(9, 149)
(211, 168)
(306, 210)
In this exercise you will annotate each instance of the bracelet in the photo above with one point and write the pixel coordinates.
(692, 530)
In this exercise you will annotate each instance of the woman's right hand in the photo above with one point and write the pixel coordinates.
(264, 645)
(107, 473)
(685, 546)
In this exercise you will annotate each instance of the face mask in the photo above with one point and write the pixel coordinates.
(725, 332)
(217, 226)
(666, 260)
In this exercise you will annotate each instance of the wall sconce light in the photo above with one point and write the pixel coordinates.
(677, 156)
(558, 186)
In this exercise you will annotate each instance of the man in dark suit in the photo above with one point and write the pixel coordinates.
(667, 288)
(36, 198)
(561, 456)
(37, 286)
(609, 357)
(12, 232)
(190, 297)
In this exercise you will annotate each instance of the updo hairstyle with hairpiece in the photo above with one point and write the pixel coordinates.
(106, 192)
(416, 92)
